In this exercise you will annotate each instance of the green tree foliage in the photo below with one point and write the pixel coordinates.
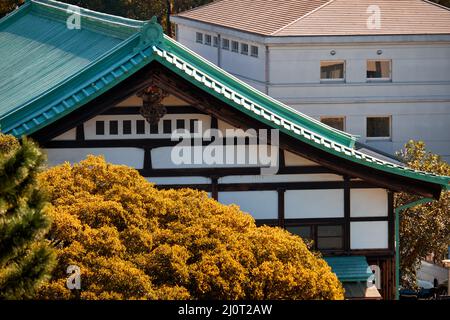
(25, 257)
(141, 10)
(424, 229)
(133, 241)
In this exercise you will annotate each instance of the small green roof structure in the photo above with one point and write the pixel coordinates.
(350, 268)
(48, 70)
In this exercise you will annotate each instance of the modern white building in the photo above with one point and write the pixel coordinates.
(379, 69)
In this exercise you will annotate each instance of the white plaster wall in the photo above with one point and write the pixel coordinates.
(368, 203)
(68, 135)
(291, 159)
(281, 178)
(369, 235)
(418, 98)
(187, 36)
(260, 204)
(426, 121)
(179, 180)
(411, 62)
(132, 157)
(163, 158)
(249, 69)
(314, 204)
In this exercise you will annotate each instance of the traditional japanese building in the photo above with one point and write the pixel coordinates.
(118, 87)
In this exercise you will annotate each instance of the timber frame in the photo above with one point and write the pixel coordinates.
(156, 74)
(201, 103)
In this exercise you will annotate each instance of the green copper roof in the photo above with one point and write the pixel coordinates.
(56, 88)
(350, 269)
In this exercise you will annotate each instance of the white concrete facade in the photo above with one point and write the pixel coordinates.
(416, 98)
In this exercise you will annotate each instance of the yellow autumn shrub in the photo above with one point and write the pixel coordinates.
(133, 241)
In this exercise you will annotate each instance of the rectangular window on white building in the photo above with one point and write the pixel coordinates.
(244, 48)
(379, 70)
(207, 39)
(225, 44)
(216, 41)
(332, 70)
(334, 122)
(199, 37)
(254, 51)
(234, 46)
(378, 127)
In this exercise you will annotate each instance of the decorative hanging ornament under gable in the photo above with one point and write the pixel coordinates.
(152, 109)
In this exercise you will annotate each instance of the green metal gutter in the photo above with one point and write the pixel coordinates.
(397, 239)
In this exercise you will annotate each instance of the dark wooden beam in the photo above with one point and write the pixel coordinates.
(134, 110)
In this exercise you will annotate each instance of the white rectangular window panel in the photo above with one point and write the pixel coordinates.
(369, 235)
(302, 204)
(368, 203)
(132, 157)
(260, 204)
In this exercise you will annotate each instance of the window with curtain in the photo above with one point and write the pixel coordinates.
(332, 70)
(378, 127)
(379, 69)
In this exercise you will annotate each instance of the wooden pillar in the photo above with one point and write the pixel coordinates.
(281, 192)
(215, 188)
(347, 214)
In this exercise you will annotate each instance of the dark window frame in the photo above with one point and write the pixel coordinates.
(315, 233)
(244, 52)
(199, 37)
(100, 128)
(215, 41)
(167, 126)
(379, 137)
(140, 126)
(328, 78)
(254, 51)
(113, 127)
(376, 79)
(324, 119)
(234, 46)
(225, 44)
(126, 127)
(208, 40)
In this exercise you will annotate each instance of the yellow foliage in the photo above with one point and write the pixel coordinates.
(133, 241)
